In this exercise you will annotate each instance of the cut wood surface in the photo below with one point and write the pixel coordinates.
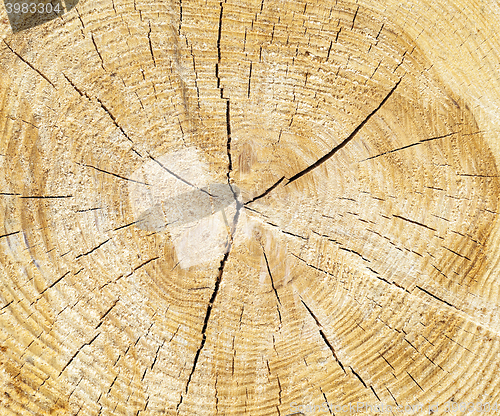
(259, 207)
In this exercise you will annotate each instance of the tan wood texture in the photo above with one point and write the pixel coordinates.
(249, 207)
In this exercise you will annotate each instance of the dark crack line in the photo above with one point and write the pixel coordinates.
(82, 93)
(249, 80)
(146, 262)
(113, 174)
(97, 50)
(267, 191)
(354, 19)
(326, 400)
(435, 297)
(287, 232)
(210, 305)
(46, 196)
(205, 324)
(77, 352)
(114, 120)
(223, 261)
(410, 145)
(414, 222)
(219, 53)
(375, 393)
(110, 309)
(354, 252)
(180, 16)
(126, 225)
(156, 357)
(94, 249)
(323, 159)
(178, 177)
(54, 283)
(329, 50)
(328, 155)
(89, 209)
(30, 65)
(310, 265)
(457, 254)
(415, 381)
(150, 45)
(254, 210)
(228, 147)
(272, 283)
(359, 377)
(325, 339)
(8, 234)
(393, 398)
(337, 35)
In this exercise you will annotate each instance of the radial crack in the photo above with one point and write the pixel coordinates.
(29, 64)
(205, 324)
(178, 177)
(325, 339)
(323, 159)
(414, 222)
(267, 191)
(150, 45)
(410, 145)
(114, 119)
(94, 249)
(113, 174)
(211, 303)
(435, 297)
(272, 283)
(97, 50)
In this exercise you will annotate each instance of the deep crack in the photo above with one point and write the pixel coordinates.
(224, 259)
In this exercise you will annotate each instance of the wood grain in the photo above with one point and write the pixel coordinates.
(249, 207)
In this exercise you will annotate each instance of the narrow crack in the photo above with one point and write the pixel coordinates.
(82, 93)
(29, 64)
(415, 381)
(414, 222)
(436, 297)
(323, 159)
(77, 352)
(219, 54)
(113, 174)
(46, 196)
(205, 324)
(326, 400)
(94, 249)
(272, 283)
(8, 234)
(54, 283)
(178, 177)
(110, 114)
(323, 336)
(180, 16)
(97, 51)
(410, 145)
(354, 19)
(326, 157)
(267, 191)
(226, 255)
(359, 377)
(249, 80)
(150, 44)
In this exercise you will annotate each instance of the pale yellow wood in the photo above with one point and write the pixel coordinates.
(249, 207)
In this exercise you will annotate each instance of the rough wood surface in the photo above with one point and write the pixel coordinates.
(246, 206)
